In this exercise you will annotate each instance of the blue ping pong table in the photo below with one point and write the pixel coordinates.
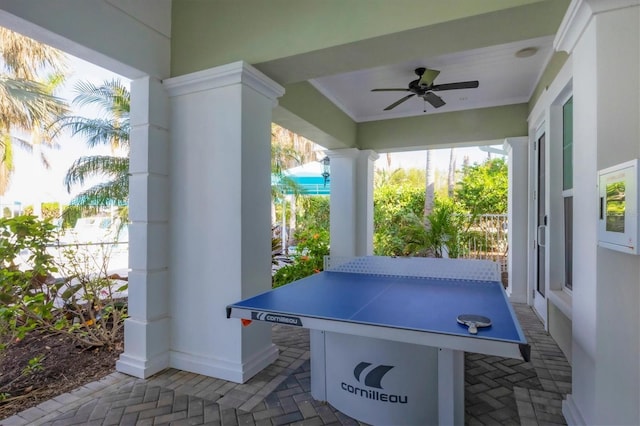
(386, 348)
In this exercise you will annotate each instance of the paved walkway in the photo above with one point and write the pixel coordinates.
(498, 391)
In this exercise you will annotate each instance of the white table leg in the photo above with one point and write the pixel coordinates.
(450, 387)
(318, 365)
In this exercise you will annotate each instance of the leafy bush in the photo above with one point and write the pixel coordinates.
(313, 212)
(83, 305)
(312, 247)
(446, 231)
(25, 299)
(50, 211)
(484, 187)
(391, 205)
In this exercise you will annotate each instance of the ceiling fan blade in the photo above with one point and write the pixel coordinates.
(398, 102)
(427, 77)
(459, 85)
(435, 100)
(390, 90)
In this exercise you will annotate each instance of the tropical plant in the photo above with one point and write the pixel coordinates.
(313, 212)
(86, 305)
(429, 191)
(391, 203)
(32, 71)
(288, 150)
(442, 234)
(312, 246)
(484, 187)
(111, 128)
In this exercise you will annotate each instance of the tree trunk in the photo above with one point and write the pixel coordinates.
(451, 178)
(292, 219)
(429, 190)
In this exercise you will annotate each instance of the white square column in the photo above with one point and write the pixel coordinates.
(517, 218)
(147, 330)
(351, 212)
(220, 232)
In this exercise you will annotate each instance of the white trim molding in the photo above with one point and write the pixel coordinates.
(571, 413)
(224, 75)
(579, 15)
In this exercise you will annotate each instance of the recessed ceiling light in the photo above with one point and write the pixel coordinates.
(526, 52)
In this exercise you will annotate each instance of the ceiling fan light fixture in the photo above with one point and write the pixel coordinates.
(526, 52)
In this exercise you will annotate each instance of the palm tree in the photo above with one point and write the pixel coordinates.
(429, 192)
(27, 101)
(451, 176)
(288, 149)
(111, 128)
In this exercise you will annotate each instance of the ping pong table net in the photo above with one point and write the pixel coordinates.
(423, 267)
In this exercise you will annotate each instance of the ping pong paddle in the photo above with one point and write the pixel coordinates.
(474, 322)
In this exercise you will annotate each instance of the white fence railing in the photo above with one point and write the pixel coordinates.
(487, 239)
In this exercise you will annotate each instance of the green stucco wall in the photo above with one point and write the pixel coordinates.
(445, 129)
(207, 33)
(322, 121)
(551, 71)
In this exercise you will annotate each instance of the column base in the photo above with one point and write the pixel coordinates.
(232, 371)
(571, 412)
(516, 298)
(146, 350)
(141, 368)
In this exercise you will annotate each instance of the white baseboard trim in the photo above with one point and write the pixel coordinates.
(571, 412)
(221, 369)
(141, 368)
(517, 298)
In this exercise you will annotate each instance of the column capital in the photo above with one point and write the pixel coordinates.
(579, 15)
(225, 75)
(511, 143)
(352, 153)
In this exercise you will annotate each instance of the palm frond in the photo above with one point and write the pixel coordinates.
(96, 166)
(24, 57)
(106, 194)
(97, 131)
(25, 103)
(112, 96)
(6, 161)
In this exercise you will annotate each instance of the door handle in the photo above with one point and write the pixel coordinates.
(541, 235)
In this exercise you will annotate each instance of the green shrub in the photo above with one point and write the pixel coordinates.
(446, 231)
(82, 305)
(312, 246)
(391, 205)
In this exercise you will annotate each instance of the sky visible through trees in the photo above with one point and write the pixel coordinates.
(31, 181)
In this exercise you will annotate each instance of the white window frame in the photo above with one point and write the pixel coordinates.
(548, 113)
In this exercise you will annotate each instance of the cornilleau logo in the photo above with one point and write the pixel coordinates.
(372, 378)
(277, 318)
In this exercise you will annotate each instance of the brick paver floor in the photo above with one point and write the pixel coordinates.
(500, 391)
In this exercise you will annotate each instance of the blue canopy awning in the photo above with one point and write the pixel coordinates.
(308, 178)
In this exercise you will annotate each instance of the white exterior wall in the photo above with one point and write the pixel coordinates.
(605, 49)
(617, 374)
(130, 38)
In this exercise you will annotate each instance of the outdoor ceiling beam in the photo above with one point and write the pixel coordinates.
(474, 32)
(307, 112)
(444, 129)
